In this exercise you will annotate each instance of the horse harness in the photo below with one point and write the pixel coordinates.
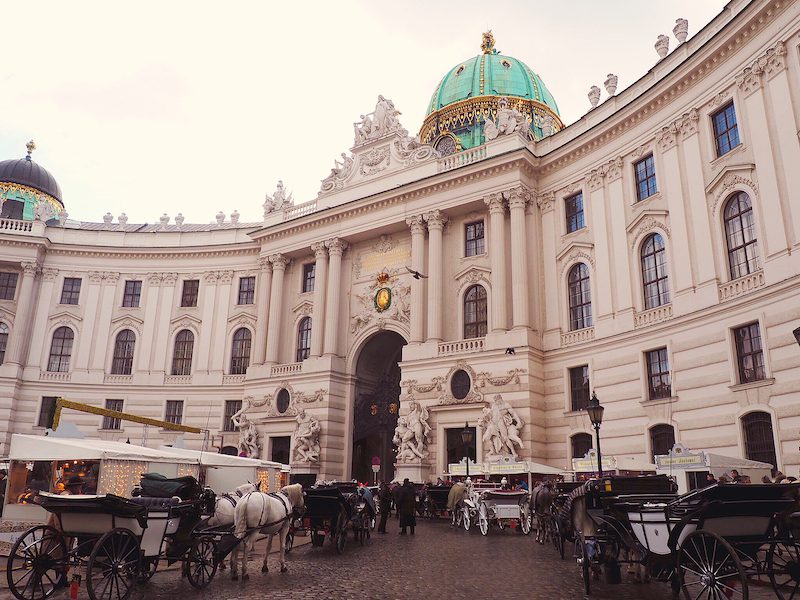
(229, 497)
(286, 507)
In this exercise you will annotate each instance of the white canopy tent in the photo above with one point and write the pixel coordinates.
(681, 463)
(41, 463)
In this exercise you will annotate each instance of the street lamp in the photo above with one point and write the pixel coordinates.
(467, 435)
(595, 410)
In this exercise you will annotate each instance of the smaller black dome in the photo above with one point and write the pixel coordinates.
(24, 171)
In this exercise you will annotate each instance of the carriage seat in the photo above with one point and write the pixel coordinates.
(151, 503)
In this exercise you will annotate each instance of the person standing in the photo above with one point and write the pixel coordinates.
(406, 503)
(385, 503)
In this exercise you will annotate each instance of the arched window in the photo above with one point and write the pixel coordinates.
(3, 342)
(61, 350)
(580, 298)
(654, 272)
(304, 339)
(240, 353)
(475, 319)
(581, 443)
(124, 345)
(759, 442)
(740, 235)
(182, 354)
(662, 439)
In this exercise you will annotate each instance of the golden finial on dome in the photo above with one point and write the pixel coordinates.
(487, 42)
(31, 146)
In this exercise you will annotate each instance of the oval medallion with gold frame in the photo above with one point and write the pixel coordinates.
(383, 299)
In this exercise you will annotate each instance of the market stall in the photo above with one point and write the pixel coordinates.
(514, 471)
(690, 469)
(586, 466)
(223, 472)
(52, 464)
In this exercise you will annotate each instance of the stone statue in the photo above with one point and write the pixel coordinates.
(406, 451)
(501, 428)
(278, 201)
(412, 434)
(490, 131)
(248, 434)
(548, 126)
(306, 438)
(508, 121)
(381, 121)
(363, 129)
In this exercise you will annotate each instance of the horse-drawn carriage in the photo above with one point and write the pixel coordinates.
(330, 511)
(708, 543)
(116, 540)
(504, 508)
(436, 500)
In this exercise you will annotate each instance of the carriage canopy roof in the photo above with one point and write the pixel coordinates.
(35, 447)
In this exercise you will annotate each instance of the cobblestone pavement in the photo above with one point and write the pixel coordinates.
(438, 562)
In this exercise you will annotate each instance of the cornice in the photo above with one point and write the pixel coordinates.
(241, 249)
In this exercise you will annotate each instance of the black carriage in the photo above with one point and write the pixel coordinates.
(556, 528)
(436, 501)
(330, 511)
(113, 542)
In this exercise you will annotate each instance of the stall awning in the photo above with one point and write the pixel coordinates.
(34, 447)
(214, 459)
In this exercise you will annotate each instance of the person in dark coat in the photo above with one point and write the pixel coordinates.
(406, 504)
(385, 503)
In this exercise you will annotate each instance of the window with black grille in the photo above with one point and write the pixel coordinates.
(726, 132)
(191, 289)
(247, 290)
(240, 352)
(309, 275)
(759, 440)
(71, 291)
(740, 236)
(47, 411)
(231, 408)
(579, 387)
(581, 444)
(645, 171)
(749, 354)
(574, 212)
(580, 297)
(174, 412)
(659, 380)
(132, 294)
(662, 439)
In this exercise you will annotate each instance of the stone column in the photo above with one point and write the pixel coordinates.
(497, 260)
(165, 301)
(279, 264)
(436, 222)
(145, 346)
(417, 225)
(623, 299)
(39, 330)
(99, 352)
(336, 248)
(602, 303)
(546, 203)
(21, 331)
(517, 201)
(320, 281)
(263, 302)
(221, 321)
(210, 279)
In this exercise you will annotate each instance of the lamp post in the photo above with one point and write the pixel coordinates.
(595, 410)
(467, 436)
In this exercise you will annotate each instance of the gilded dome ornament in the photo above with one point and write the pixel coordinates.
(487, 43)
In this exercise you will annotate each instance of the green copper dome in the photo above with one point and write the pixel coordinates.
(471, 93)
(490, 75)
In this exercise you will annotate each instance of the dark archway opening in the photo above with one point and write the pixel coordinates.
(377, 405)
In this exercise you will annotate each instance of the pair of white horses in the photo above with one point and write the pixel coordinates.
(255, 514)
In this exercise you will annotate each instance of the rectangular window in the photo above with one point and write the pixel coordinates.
(113, 422)
(455, 445)
(749, 353)
(174, 412)
(247, 290)
(659, 380)
(133, 293)
(645, 171)
(231, 408)
(47, 411)
(579, 387)
(191, 287)
(280, 449)
(71, 292)
(474, 241)
(309, 272)
(8, 286)
(726, 132)
(574, 210)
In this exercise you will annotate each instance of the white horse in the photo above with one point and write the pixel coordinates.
(270, 514)
(225, 507)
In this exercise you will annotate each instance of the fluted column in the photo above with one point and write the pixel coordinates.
(109, 284)
(204, 344)
(263, 303)
(517, 201)
(219, 337)
(39, 325)
(320, 281)
(20, 332)
(497, 259)
(417, 225)
(90, 299)
(336, 248)
(279, 264)
(436, 222)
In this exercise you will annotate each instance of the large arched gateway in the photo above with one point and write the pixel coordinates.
(377, 403)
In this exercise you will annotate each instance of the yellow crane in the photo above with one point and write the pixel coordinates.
(62, 403)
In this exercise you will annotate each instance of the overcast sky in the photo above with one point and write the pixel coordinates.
(196, 107)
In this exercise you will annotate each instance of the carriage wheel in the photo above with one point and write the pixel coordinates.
(147, 569)
(583, 563)
(200, 563)
(708, 564)
(38, 560)
(465, 520)
(783, 567)
(288, 543)
(341, 532)
(525, 524)
(483, 520)
(113, 566)
(455, 518)
(317, 539)
(558, 538)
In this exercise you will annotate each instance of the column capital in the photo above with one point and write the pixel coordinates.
(30, 267)
(614, 169)
(518, 197)
(435, 220)
(688, 123)
(336, 246)
(596, 178)
(169, 278)
(416, 223)
(495, 203)
(279, 262)
(154, 278)
(667, 137)
(545, 202)
(49, 274)
(264, 264)
(320, 250)
(225, 277)
(110, 277)
(211, 277)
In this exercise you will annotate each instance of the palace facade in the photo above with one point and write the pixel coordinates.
(648, 252)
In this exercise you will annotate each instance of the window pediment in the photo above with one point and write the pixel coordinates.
(65, 316)
(304, 309)
(185, 322)
(575, 250)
